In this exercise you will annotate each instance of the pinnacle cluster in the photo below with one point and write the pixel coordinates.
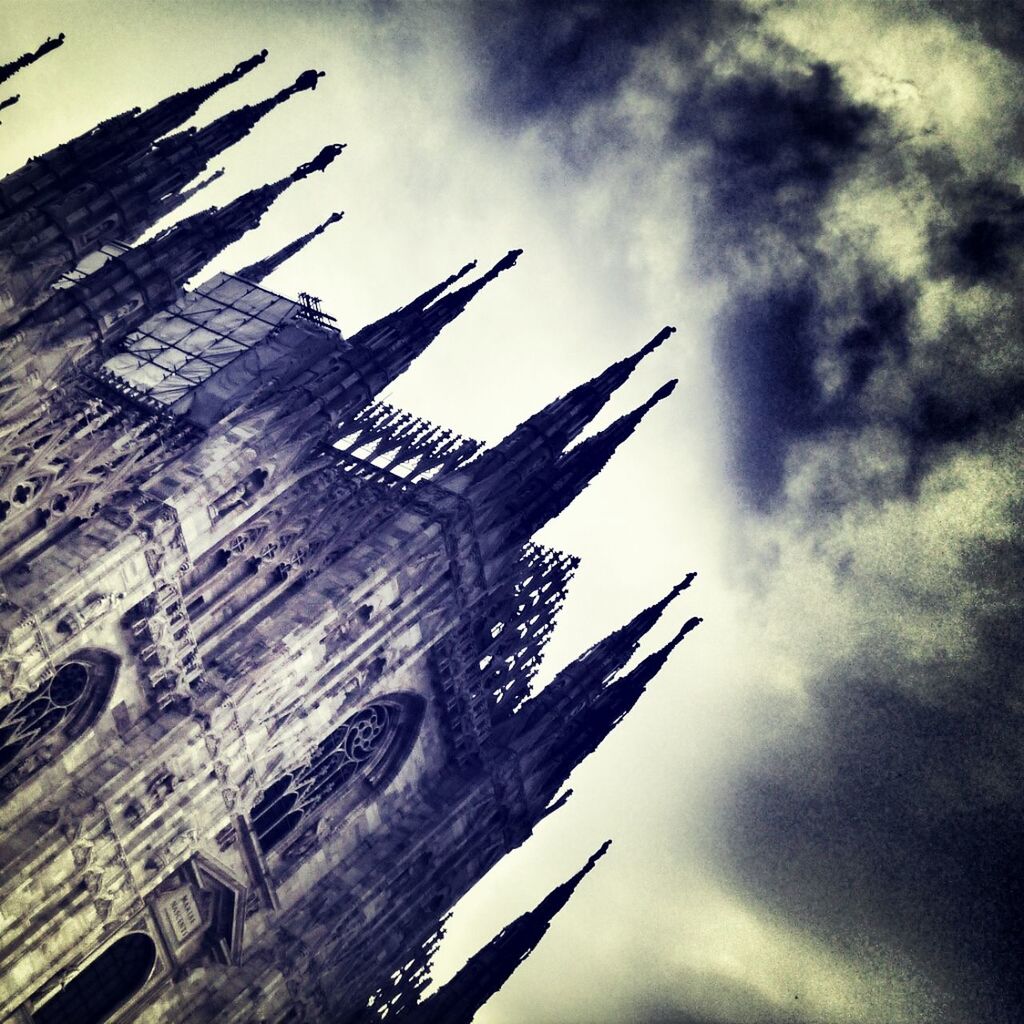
(267, 644)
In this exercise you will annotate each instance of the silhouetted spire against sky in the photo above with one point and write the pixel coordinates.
(439, 289)
(556, 425)
(10, 69)
(517, 505)
(121, 293)
(550, 755)
(104, 149)
(396, 340)
(175, 110)
(213, 230)
(256, 272)
(458, 1001)
(582, 681)
(195, 147)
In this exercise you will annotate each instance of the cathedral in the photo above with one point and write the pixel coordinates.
(267, 643)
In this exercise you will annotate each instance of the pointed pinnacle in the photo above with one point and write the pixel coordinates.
(205, 183)
(660, 395)
(244, 67)
(595, 856)
(688, 627)
(307, 80)
(656, 341)
(684, 584)
(507, 262)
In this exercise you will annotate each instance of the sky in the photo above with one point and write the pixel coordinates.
(816, 810)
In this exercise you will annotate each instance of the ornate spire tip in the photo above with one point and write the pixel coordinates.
(597, 855)
(656, 341)
(684, 583)
(307, 80)
(662, 393)
(688, 627)
(320, 162)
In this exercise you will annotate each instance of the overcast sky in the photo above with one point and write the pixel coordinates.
(816, 810)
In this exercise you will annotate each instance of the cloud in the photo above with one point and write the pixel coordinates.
(849, 187)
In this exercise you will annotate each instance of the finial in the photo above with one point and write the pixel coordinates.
(660, 395)
(307, 80)
(656, 341)
(686, 581)
(320, 162)
(245, 66)
(597, 855)
(688, 627)
(507, 261)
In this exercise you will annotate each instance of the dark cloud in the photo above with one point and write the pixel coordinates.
(832, 336)
(986, 241)
(767, 353)
(773, 138)
(543, 58)
(773, 146)
(998, 23)
(769, 341)
(913, 835)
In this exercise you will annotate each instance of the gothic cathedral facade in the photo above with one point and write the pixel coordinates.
(266, 642)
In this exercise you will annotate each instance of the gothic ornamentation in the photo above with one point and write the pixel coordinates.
(36, 728)
(368, 747)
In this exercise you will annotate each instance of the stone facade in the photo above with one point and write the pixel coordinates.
(265, 643)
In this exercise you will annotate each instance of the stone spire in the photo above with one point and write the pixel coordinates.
(578, 467)
(125, 291)
(169, 204)
(599, 662)
(512, 505)
(103, 151)
(555, 733)
(10, 69)
(158, 174)
(176, 109)
(386, 349)
(256, 272)
(184, 249)
(561, 421)
(486, 971)
(430, 294)
(53, 239)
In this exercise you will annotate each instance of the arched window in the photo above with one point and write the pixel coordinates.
(38, 727)
(361, 755)
(93, 994)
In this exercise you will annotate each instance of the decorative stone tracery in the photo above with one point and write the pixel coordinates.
(368, 748)
(38, 727)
